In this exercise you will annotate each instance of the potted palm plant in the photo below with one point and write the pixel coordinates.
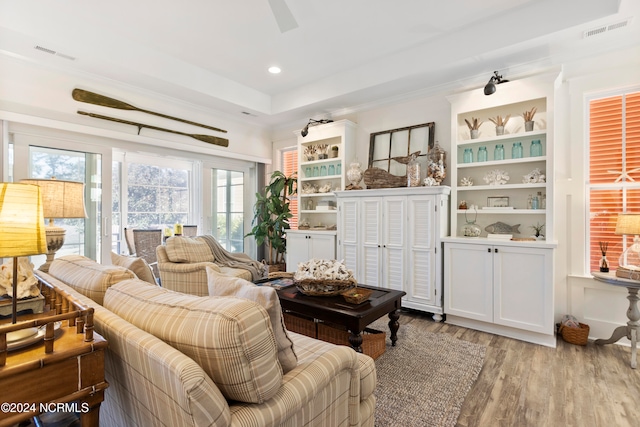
(271, 218)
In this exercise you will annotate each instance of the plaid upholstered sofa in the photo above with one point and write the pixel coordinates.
(182, 263)
(182, 360)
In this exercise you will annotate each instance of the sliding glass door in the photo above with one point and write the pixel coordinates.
(66, 158)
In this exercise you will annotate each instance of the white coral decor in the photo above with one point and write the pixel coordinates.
(533, 177)
(322, 269)
(496, 177)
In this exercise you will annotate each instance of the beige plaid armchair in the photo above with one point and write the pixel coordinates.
(182, 263)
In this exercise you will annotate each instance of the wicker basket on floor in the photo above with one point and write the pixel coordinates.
(373, 342)
(577, 336)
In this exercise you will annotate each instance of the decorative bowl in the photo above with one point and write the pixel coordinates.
(324, 288)
(356, 295)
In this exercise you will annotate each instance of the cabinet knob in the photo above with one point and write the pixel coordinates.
(489, 250)
(495, 250)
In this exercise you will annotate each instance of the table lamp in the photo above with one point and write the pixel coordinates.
(21, 228)
(60, 199)
(629, 262)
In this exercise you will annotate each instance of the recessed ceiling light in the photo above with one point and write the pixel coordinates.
(274, 70)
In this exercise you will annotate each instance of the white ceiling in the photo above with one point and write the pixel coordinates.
(343, 54)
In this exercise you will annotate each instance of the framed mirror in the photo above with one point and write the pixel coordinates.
(385, 145)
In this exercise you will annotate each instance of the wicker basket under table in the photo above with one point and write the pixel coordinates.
(300, 324)
(373, 342)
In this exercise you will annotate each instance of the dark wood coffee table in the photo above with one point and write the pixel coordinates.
(354, 317)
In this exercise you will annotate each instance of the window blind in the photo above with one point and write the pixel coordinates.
(614, 171)
(289, 167)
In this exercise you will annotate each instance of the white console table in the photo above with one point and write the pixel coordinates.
(631, 329)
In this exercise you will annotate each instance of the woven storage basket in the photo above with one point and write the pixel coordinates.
(301, 325)
(324, 288)
(373, 342)
(577, 336)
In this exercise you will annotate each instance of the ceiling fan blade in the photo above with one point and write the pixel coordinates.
(283, 15)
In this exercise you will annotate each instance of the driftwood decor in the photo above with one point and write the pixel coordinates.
(379, 178)
(205, 138)
(104, 101)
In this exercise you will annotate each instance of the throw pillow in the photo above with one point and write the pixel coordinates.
(230, 338)
(187, 249)
(87, 276)
(223, 285)
(138, 265)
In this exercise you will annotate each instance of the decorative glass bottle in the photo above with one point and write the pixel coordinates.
(413, 172)
(482, 154)
(354, 175)
(470, 228)
(467, 156)
(498, 152)
(437, 164)
(536, 148)
(516, 150)
(332, 169)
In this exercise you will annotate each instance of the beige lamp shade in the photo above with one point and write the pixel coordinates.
(628, 224)
(22, 231)
(61, 199)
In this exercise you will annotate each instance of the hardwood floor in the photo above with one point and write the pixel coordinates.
(524, 384)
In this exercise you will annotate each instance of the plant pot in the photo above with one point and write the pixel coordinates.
(474, 133)
(528, 126)
(499, 130)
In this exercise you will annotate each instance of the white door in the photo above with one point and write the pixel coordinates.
(347, 250)
(297, 249)
(468, 281)
(371, 245)
(523, 288)
(394, 243)
(322, 246)
(74, 157)
(421, 280)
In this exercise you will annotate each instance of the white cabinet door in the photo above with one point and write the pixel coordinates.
(422, 274)
(523, 288)
(371, 242)
(322, 246)
(468, 281)
(301, 247)
(394, 222)
(297, 250)
(348, 226)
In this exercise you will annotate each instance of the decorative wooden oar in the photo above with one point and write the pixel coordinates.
(104, 101)
(206, 138)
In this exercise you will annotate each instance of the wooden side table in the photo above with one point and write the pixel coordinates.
(632, 328)
(62, 372)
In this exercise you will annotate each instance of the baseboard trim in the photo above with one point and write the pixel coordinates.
(518, 334)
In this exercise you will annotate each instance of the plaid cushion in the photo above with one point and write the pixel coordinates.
(231, 338)
(136, 264)
(223, 285)
(87, 276)
(187, 249)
